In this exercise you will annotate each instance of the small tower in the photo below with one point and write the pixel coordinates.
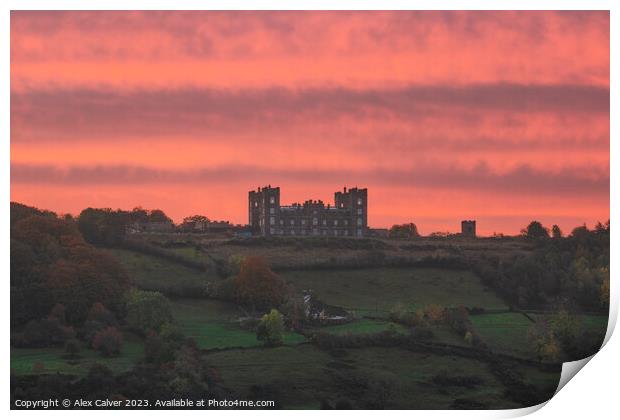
(468, 228)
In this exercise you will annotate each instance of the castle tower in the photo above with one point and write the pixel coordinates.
(356, 202)
(468, 228)
(264, 210)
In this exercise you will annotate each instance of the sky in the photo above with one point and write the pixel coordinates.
(502, 117)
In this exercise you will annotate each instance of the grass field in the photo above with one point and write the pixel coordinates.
(381, 289)
(505, 332)
(23, 360)
(303, 376)
(363, 326)
(214, 324)
(154, 273)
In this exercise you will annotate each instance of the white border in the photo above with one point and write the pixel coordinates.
(593, 394)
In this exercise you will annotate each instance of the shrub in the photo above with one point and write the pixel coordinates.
(401, 315)
(270, 330)
(434, 313)
(108, 341)
(147, 311)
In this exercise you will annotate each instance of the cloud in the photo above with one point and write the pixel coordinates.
(362, 48)
(520, 180)
(83, 113)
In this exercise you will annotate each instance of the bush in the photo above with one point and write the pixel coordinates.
(270, 330)
(401, 315)
(108, 341)
(147, 311)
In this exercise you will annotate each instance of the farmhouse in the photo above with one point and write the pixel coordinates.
(348, 217)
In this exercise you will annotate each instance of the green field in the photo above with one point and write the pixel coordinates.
(24, 359)
(363, 326)
(190, 253)
(155, 273)
(505, 332)
(215, 324)
(380, 289)
(303, 376)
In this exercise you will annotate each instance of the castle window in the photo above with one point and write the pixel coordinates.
(359, 211)
(272, 220)
(292, 232)
(324, 222)
(359, 201)
(336, 232)
(256, 204)
(303, 222)
(359, 221)
(335, 222)
(315, 231)
(341, 205)
(359, 232)
(281, 221)
(272, 210)
(272, 200)
(315, 221)
(346, 223)
(292, 222)
(272, 231)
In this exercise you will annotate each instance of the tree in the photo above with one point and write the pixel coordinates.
(108, 341)
(270, 330)
(98, 319)
(543, 341)
(21, 211)
(556, 232)
(86, 277)
(103, 226)
(535, 230)
(604, 293)
(258, 286)
(194, 223)
(159, 216)
(147, 311)
(407, 230)
(52, 264)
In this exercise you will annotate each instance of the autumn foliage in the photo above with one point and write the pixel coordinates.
(258, 286)
(52, 264)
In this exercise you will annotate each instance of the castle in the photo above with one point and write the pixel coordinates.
(348, 217)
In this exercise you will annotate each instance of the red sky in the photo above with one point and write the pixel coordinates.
(502, 117)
